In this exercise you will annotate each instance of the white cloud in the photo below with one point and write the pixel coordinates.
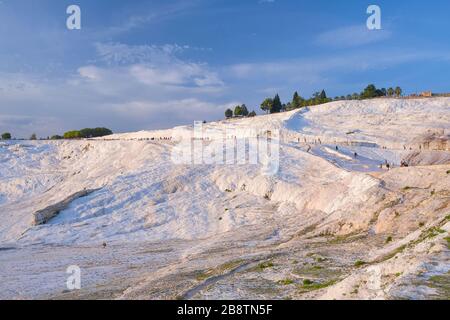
(352, 36)
(126, 88)
(158, 65)
(89, 72)
(114, 98)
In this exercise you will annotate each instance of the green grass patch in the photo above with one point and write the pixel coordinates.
(317, 268)
(360, 263)
(442, 284)
(428, 234)
(389, 239)
(264, 265)
(347, 238)
(309, 285)
(392, 254)
(307, 282)
(203, 275)
(286, 282)
(433, 232)
(406, 188)
(320, 259)
(317, 272)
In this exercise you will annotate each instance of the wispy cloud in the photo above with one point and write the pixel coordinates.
(314, 67)
(352, 36)
(155, 15)
(122, 54)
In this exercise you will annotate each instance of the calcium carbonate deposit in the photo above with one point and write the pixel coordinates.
(356, 205)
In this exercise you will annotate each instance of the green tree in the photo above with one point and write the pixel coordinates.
(87, 133)
(228, 113)
(33, 137)
(296, 101)
(244, 110)
(6, 136)
(252, 114)
(95, 132)
(74, 134)
(56, 137)
(277, 106)
(237, 111)
(369, 92)
(101, 132)
(398, 91)
(390, 92)
(266, 105)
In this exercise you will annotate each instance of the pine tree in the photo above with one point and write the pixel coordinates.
(244, 110)
(229, 113)
(296, 101)
(277, 106)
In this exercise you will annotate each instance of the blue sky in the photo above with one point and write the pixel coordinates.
(138, 65)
